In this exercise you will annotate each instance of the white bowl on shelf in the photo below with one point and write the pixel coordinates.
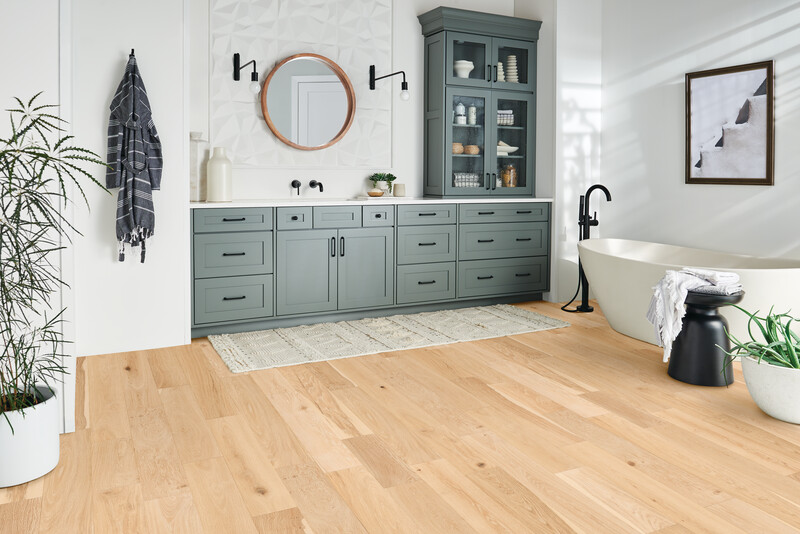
(506, 150)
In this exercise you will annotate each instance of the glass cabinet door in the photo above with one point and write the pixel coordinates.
(512, 65)
(467, 142)
(468, 61)
(514, 123)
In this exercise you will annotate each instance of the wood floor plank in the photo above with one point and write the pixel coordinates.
(113, 464)
(209, 389)
(320, 504)
(189, 429)
(175, 514)
(387, 469)
(141, 393)
(21, 492)
(371, 503)
(219, 504)
(119, 510)
(108, 416)
(157, 458)
(67, 495)
(319, 437)
(255, 476)
(166, 368)
(20, 516)
(288, 521)
(81, 394)
(428, 509)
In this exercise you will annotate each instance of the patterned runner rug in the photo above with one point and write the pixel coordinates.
(263, 349)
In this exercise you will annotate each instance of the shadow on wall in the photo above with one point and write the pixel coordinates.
(644, 134)
(580, 156)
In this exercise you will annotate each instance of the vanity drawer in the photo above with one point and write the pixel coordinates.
(504, 240)
(228, 254)
(379, 215)
(337, 216)
(231, 299)
(416, 214)
(426, 244)
(425, 283)
(294, 218)
(517, 212)
(499, 277)
(231, 219)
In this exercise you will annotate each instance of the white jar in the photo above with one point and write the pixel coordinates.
(219, 187)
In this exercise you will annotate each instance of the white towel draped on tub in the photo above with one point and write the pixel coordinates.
(669, 295)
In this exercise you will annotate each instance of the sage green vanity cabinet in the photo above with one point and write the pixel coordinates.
(306, 271)
(327, 270)
(256, 268)
(479, 104)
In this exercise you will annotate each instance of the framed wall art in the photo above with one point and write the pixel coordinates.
(729, 125)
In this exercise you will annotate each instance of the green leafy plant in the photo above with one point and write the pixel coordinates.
(383, 177)
(39, 166)
(778, 345)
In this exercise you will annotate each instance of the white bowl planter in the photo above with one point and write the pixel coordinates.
(776, 390)
(32, 450)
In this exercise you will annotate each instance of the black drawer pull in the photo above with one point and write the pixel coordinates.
(523, 239)
(485, 277)
(333, 247)
(521, 275)
(427, 214)
(341, 246)
(225, 254)
(377, 215)
(485, 213)
(520, 212)
(234, 298)
(485, 240)
(426, 283)
(295, 217)
(426, 244)
(238, 219)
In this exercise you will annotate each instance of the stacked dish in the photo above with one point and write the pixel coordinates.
(505, 117)
(504, 149)
(501, 75)
(467, 179)
(511, 72)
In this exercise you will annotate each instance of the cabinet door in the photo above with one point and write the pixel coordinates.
(468, 60)
(514, 139)
(366, 267)
(306, 271)
(467, 173)
(513, 65)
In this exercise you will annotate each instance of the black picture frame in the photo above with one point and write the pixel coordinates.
(737, 102)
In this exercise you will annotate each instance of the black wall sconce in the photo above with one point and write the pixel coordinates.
(255, 87)
(403, 86)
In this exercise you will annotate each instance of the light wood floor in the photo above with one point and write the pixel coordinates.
(570, 430)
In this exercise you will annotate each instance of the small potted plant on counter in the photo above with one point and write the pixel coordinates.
(383, 181)
(39, 167)
(771, 364)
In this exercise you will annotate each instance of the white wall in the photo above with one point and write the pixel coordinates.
(30, 62)
(647, 48)
(342, 182)
(131, 306)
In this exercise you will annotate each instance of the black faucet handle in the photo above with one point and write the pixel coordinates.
(296, 184)
(314, 184)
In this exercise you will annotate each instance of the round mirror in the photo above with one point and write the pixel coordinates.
(308, 101)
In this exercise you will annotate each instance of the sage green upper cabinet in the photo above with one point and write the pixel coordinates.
(480, 104)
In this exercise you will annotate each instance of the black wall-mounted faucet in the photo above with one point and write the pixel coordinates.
(314, 184)
(296, 184)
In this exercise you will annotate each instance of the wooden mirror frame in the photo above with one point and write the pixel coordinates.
(348, 88)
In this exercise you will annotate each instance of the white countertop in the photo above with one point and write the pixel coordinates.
(310, 201)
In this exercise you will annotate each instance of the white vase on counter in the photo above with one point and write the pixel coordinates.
(219, 187)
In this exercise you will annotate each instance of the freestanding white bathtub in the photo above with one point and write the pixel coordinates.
(622, 274)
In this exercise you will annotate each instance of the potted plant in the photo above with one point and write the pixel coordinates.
(771, 364)
(38, 167)
(383, 181)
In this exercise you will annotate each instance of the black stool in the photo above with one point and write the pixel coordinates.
(695, 357)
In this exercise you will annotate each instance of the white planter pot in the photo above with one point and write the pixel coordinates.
(32, 450)
(776, 390)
